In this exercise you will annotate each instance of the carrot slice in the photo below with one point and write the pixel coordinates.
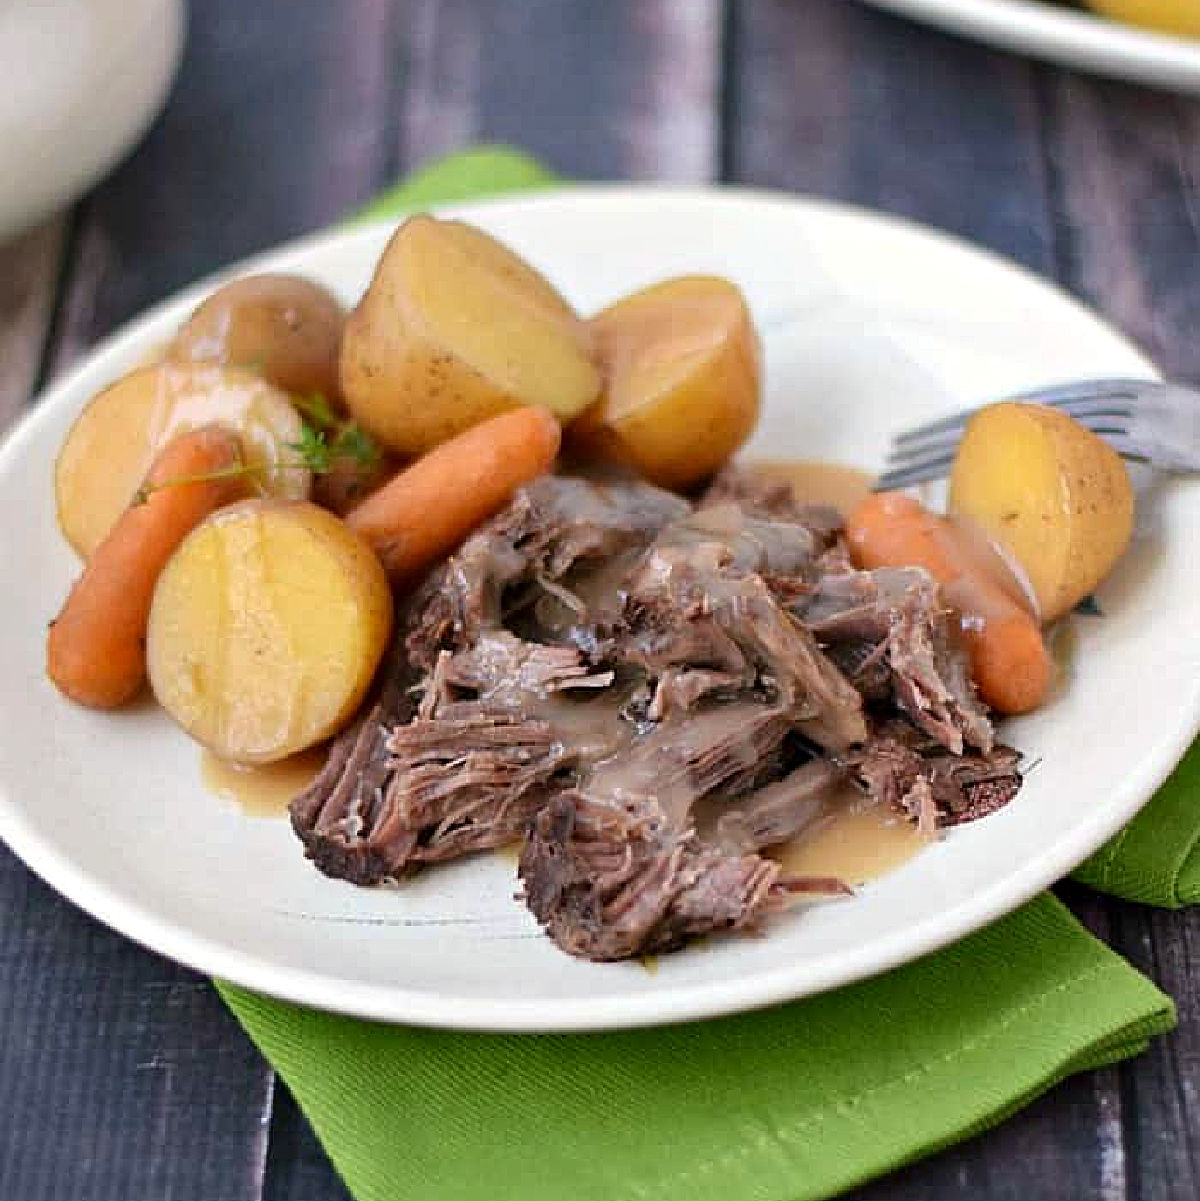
(1009, 660)
(423, 513)
(96, 647)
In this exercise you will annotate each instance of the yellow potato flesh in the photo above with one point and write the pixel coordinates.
(1169, 16)
(266, 629)
(283, 327)
(1051, 493)
(109, 449)
(454, 329)
(682, 374)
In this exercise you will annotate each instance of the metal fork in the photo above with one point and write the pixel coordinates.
(1147, 421)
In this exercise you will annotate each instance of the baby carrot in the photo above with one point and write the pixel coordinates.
(423, 513)
(96, 648)
(1009, 660)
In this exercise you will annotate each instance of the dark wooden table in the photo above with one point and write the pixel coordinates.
(121, 1075)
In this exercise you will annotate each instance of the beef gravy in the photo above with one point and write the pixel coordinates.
(854, 841)
(814, 483)
(263, 791)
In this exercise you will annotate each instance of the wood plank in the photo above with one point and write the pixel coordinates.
(124, 1077)
(849, 103)
(600, 91)
(844, 102)
(1126, 188)
(29, 268)
(297, 1167)
(1161, 1090)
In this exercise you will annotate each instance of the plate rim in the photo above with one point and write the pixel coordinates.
(400, 1005)
(1081, 40)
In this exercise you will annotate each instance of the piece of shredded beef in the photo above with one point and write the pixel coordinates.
(893, 617)
(963, 787)
(760, 495)
(698, 602)
(612, 877)
(344, 817)
(552, 527)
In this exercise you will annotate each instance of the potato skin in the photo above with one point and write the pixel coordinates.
(1050, 491)
(283, 327)
(266, 629)
(453, 329)
(110, 447)
(402, 388)
(682, 380)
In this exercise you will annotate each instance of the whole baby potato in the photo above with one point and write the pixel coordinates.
(454, 329)
(681, 380)
(114, 440)
(266, 629)
(1050, 492)
(283, 327)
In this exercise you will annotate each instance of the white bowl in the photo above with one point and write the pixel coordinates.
(82, 81)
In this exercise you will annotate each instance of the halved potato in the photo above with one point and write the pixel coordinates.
(1052, 493)
(681, 362)
(266, 629)
(454, 329)
(114, 440)
(283, 327)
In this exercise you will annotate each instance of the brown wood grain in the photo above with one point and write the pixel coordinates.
(278, 125)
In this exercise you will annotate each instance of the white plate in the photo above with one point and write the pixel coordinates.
(1071, 37)
(889, 324)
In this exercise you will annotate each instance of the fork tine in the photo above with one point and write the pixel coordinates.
(1101, 418)
(1082, 389)
(1082, 395)
(935, 464)
(911, 452)
(919, 473)
(1096, 406)
(954, 423)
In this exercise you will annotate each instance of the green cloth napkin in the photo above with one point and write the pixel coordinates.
(797, 1102)
(1156, 858)
(800, 1101)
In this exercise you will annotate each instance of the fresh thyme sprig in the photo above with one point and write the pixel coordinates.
(326, 440)
(147, 490)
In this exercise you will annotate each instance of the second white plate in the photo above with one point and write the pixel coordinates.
(1073, 38)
